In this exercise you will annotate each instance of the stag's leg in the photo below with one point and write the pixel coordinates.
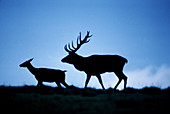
(117, 83)
(121, 76)
(39, 84)
(125, 79)
(125, 82)
(100, 80)
(87, 80)
(65, 84)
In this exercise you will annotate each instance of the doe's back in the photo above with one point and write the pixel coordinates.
(50, 74)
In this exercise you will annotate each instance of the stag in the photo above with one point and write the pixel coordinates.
(95, 65)
(45, 74)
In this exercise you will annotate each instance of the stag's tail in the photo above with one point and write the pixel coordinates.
(64, 70)
(126, 61)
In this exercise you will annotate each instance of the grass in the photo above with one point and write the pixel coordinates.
(30, 99)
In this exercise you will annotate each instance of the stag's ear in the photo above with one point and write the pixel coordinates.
(30, 59)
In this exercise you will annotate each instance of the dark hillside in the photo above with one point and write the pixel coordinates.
(30, 99)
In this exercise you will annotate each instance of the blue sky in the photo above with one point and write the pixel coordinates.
(135, 29)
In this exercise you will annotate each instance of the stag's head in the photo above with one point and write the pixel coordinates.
(26, 63)
(72, 56)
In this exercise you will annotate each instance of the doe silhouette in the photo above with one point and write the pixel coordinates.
(95, 64)
(45, 74)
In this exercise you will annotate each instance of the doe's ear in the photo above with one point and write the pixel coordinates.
(30, 59)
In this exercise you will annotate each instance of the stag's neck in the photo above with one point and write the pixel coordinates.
(80, 63)
(31, 69)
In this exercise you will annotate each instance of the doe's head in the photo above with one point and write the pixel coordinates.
(25, 64)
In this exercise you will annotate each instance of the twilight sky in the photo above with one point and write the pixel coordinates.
(136, 29)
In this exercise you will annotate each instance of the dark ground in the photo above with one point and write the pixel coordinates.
(46, 100)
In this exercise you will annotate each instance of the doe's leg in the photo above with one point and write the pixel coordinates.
(65, 84)
(58, 84)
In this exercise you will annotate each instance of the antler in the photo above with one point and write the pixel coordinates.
(79, 43)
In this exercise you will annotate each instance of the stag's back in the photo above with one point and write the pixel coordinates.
(97, 64)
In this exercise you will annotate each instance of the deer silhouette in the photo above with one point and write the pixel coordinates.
(95, 64)
(45, 74)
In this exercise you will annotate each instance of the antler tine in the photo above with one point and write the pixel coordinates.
(79, 39)
(79, 43)
(88, 32)
(73, 45)
(86, 40)
(65, 47)
(87, 36)
(69, 47)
